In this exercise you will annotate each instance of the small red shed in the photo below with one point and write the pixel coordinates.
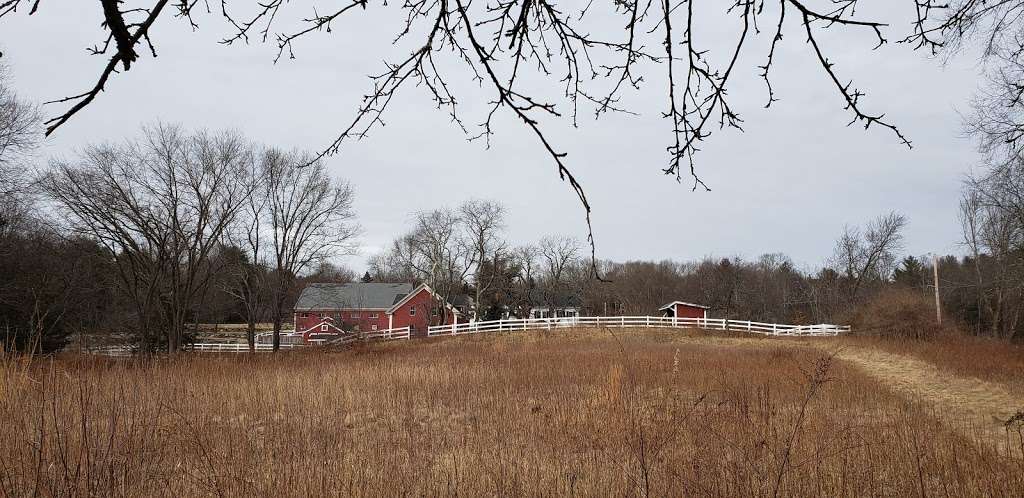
(684, 310)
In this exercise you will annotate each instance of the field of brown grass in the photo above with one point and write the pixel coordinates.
(982, 358)
(569, 413)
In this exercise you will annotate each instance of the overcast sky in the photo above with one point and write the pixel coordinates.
(787, 184)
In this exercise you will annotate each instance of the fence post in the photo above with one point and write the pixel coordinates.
(453, 328)
(775, 329)
(648, 322)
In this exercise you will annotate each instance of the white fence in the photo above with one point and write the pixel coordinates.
(387, 334)
(234, 347)
(638, 321)
(286, 338)
(116, 351)
(292, 340)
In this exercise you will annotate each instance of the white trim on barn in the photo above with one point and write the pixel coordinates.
(324, 326)
(417, 290)
(673, 308)
(391, 311)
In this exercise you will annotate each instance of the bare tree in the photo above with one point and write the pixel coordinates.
(526, 259)
(20, 133)
(483, 222)
(330, 272)
(992, 217)
(849, 252)
(437, 251)
(388, 266)
(249, 282)
(20, 125)
(997, 120)
(870, 253)
(160, 206)
(559, 256)
(309, 217)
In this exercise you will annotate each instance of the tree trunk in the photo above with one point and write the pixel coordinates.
(277, 331)
(980, 294)
(250, 333)
(997, 317)
(172, 339)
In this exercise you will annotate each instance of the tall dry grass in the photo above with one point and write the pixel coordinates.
(529, 414)
(968, 356)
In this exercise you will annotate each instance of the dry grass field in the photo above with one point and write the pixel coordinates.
(963, 356)
(587, 413)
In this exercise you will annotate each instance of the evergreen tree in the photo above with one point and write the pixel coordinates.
(910, 273)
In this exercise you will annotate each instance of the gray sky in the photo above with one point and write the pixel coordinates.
(788, 184)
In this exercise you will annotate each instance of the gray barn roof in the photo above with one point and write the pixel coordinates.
(357, 295)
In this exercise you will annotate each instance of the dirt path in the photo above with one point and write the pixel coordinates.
(957, 399)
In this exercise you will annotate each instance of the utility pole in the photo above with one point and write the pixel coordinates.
(935, 272)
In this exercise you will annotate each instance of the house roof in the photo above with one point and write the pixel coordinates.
(692, 305)
(402, 300)
(355, 295)
(462, 300)
(538, 299)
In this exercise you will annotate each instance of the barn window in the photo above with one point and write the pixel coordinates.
(373, 315)
(323, 328)
(373, 327)
(412, 311)
(433, 311)
(303, 315)
(355, 314)
(321, 315)
(337, 316)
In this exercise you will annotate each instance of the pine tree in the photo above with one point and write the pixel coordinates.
(910, 273)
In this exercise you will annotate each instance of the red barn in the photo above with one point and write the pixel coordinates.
(684, 310)
(368, 306)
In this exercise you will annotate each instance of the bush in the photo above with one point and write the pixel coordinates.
(902, 313)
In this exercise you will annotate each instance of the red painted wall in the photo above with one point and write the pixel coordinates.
(343, 318)
(403, 317)
(683, 311)
(422, 302)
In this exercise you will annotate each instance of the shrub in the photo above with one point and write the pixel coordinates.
(901, 313)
